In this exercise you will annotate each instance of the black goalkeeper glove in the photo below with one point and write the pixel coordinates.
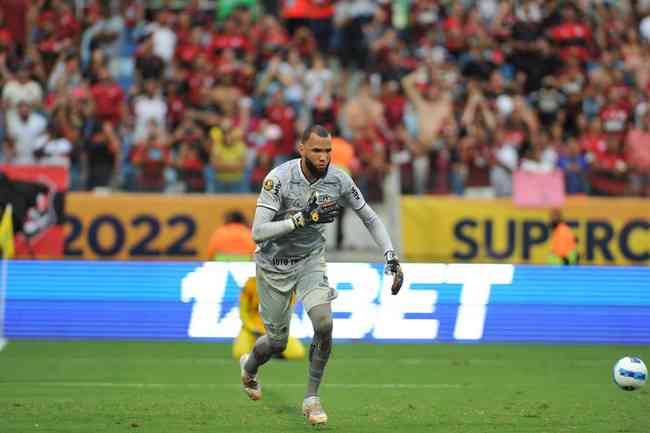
(393, 268)
(316, 213)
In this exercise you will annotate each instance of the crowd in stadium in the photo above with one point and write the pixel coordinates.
(456, 95)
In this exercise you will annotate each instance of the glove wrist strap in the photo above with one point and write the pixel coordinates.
(298, 220)
(390, 256)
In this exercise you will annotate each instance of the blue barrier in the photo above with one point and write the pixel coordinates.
(456, 302)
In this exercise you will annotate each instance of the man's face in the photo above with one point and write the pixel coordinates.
(23, 110)
(568, 14)
(317, 154)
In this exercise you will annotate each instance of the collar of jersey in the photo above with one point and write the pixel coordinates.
(302, 175)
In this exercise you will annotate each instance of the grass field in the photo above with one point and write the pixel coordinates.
(96, 387)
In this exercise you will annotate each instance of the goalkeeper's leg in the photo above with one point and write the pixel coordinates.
(319, 353)
(321, 346)
(275, 309)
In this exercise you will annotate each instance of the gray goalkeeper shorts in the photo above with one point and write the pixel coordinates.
(275, 289)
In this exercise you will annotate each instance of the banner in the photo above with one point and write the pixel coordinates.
(531, 189)
(608, 231)
(37, 194)
(438, 302)
(146, 226)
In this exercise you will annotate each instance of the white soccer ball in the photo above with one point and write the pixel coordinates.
(630, 373)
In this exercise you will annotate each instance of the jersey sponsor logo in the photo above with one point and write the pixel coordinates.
(287, 260)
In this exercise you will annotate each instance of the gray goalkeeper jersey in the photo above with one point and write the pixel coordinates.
(286, 191)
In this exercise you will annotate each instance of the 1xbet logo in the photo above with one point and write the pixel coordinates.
(363, 311)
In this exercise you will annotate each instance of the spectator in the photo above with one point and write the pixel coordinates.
(549, 102)
(575, 167)
(541, 156)
(637, 156)
(22, 88)
(371, 149)
(106, 33)
(226, 95)
(148, 64)
(66, 74)
(506, 162)
(319, 81)
(325, 113)
(164, 38)
(572, 35)
(473, 178)
(150, 108)
(283, 115)
(190, 166)
(228, 159)
(609, 170)
(433, 109)
(350, 18)
(24, 127)
(108, 98)
(152, 158)
(593, 139)
(263, 138)
(53, 148)
(102, 153)
(362, 113)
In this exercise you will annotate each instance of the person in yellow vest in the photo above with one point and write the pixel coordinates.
(253, 328)
(233, 241)
(563, 242)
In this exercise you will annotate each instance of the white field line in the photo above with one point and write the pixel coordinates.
(349, 361)
(229, 385)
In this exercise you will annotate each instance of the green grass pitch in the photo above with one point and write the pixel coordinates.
(154, 387)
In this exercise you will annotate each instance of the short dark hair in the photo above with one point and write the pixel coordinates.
(235, 216)
(314, 129)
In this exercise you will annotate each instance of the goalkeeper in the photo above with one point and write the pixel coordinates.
(297, 199)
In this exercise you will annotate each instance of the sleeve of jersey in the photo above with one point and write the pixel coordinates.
(375, 227)
(352, 197)
(270, 197)
(264, 228)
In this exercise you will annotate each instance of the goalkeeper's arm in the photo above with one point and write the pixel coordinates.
(378, 231)
(375, 227)
(264, 228)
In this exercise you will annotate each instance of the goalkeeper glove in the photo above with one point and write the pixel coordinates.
(393, 268)
(316, 213)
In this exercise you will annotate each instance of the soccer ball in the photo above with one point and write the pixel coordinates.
(630, 373)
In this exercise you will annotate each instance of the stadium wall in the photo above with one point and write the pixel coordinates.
(429, 229)
(447, 303)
